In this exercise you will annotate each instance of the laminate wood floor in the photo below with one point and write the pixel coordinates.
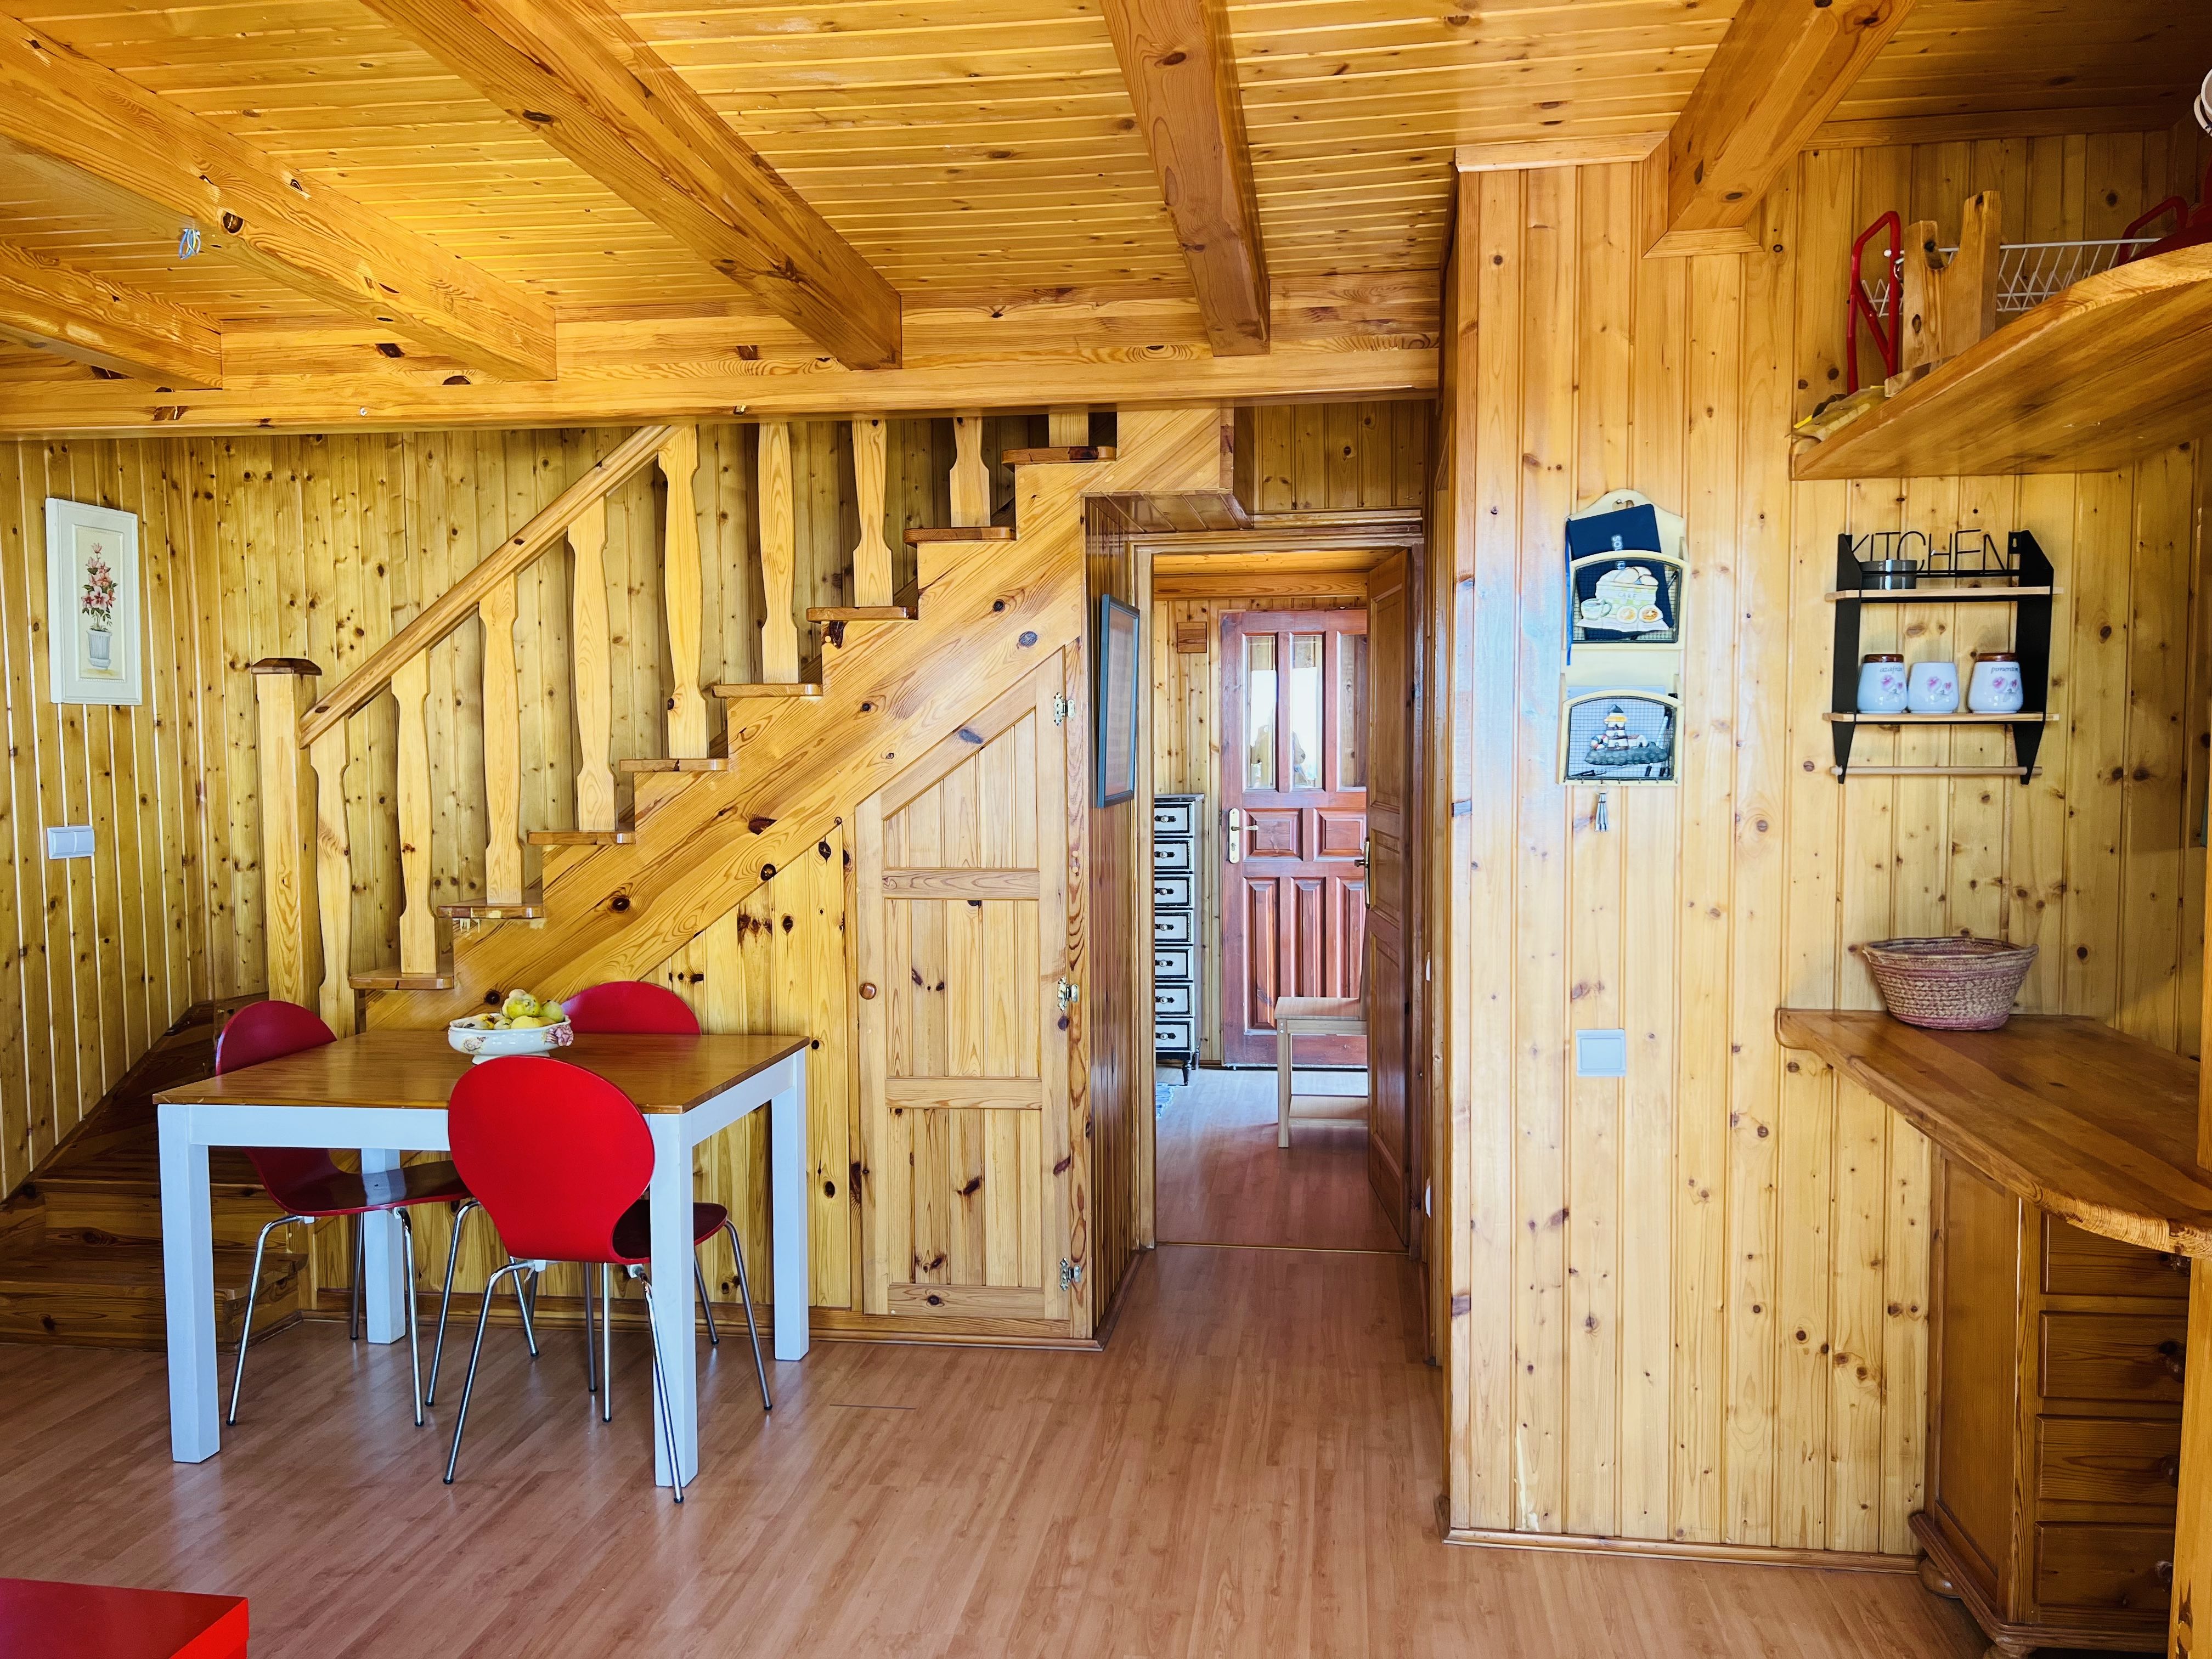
(1249, 1468)
(1224, 1181)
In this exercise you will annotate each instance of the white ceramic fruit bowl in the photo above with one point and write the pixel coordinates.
(482, 1044)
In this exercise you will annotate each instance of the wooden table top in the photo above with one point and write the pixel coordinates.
(2086, 1121)
(420, 1068)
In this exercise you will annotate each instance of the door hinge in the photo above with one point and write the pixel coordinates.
(1061, 708)
(1071, 1273)
(1068, 994)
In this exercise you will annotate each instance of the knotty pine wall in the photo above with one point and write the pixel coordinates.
(1691, 1306)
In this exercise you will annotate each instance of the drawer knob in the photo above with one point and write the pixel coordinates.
(2174, 1358)
(867, 992)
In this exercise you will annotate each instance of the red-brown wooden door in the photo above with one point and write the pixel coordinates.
(1294, 754)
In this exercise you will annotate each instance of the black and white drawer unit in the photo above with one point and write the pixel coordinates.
(1175, 930)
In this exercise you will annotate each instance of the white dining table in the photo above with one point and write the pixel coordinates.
(384, 1093)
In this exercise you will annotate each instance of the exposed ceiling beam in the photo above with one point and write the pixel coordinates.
(579, 76)
(1181, 67)
(56, 102)
(75, 315)
(1779, 69)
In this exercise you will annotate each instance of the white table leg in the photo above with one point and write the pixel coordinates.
(788, 1217)
(672, 1314)
(384, 1276)
(188, 1280)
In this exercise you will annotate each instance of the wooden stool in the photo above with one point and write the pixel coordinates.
(1297, 1016)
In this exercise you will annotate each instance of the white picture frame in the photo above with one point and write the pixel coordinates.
(93, 645)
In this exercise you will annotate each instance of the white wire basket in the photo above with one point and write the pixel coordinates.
(2028, 273)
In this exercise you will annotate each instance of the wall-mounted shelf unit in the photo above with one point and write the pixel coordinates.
(2100, 375)
(2024, 580)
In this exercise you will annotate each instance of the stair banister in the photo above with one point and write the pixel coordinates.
(679, 587)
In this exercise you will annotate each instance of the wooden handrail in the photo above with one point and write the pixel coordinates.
(458, 603)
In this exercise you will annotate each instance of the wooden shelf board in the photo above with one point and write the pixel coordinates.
(972, 533)
(703, 763)
(2109, 370)
(1069, 456)
(2085, 1122)
(391, 979)
(1941, 595)
(581, 837)
(851, 613)
(732, 692)
(1933, 772)
(530, 907)
(2026, 718)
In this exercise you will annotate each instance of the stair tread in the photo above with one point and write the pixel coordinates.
(696, 764)
(127, 1269)
(581, 837)
(392, 979)
(859, 613)
(1061, 455)
(964, 533)
(730, 692)
(531, 904)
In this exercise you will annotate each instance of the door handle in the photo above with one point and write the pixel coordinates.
(1235, 820)
(1367, 880)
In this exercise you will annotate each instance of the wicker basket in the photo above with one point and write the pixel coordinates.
(1948, 984)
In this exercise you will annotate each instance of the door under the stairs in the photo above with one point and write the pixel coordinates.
(971, 1169)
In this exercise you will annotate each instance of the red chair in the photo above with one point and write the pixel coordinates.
(308, 1183)
(561, 1159)
(637, 1007)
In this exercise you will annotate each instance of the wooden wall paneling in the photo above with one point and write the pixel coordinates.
(184, 818)
(88, 798)
(26, 1098)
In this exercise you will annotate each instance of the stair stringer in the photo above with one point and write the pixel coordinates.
(990, 612)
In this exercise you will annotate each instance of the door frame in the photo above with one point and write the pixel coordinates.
(1307, 553)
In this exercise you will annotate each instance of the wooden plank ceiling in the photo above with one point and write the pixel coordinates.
(992, 146)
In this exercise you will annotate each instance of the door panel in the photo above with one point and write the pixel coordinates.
(960, 870)
(1295, 756)
(1389, 1006)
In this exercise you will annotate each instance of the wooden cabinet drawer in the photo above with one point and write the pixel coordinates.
(2105, 1459)
(1170, 926)
(2078, 1263)
(2118, 1357)
(1171, 1000)
(2084, 1568)
(1174, 818)
(1171, 963)
(1173, 1036)
(1171, 855)
(1168, 890)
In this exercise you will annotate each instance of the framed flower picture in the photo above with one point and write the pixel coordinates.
(92, 602)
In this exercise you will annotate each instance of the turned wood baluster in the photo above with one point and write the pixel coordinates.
(971, 477)
(502, 748)
(679, 542)
(587, 632)
(284, 690)
(334, 877)
(872, 554)
(779, 556)
(418, 921)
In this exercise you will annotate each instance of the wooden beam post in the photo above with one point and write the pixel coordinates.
(579, 76)
(283, 687)
(1180, 66)
(334, 879)
(590, 652)
(1779, 69)
(55, 101)
(74, 314)
(872, 554)
(679, 587)
(779, 536)
(502, 748)
(418, 920)
(971, 474)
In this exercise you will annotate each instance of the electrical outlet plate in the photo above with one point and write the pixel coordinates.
(1601, 1053)
(69, 841)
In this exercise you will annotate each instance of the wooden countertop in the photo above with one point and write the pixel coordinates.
(2086, 1121)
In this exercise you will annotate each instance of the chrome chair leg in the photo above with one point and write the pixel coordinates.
(245, 1331)
(745, 1294)
(446, 1300)
(590, 1336)
(359, 1272)
(660, 1388)
(606, 1342)
(706, 1301)
(476, 1352)
(414, 1321)
(529, 1326)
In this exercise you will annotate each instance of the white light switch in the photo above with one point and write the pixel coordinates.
(69, 841)
(1601, 1053)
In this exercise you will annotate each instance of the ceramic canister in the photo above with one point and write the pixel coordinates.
(1995, 688)
(1934, 689)
(1881, 684)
